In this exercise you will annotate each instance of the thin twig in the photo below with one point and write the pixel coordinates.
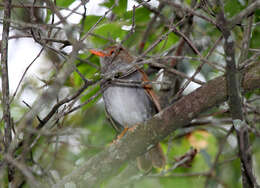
(24, 73)
(132, 30)
(197, 70)
(189, 10)
(24, 169)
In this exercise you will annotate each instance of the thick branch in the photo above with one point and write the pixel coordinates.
(235, 103)
(5, 83)
(5, 77)
(143, 137)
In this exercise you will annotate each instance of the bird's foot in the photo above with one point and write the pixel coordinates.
(120, 136)
(132, 128)
(122, 133)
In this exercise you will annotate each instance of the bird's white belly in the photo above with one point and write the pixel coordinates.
(127, 105)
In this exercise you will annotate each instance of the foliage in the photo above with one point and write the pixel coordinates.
(70, 138)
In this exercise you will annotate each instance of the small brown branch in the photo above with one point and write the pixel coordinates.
(132, 30)
(60, 103)
(197, 70)
(188, 10)
(246, 39)
(237, 19)
(176, 72)
(24, 169)
(27, 5)
(148, 30)
(85, 103)
(27, 68)
(193, 47)
(154, 10)
(220, 150)
(73, 11)
(47, 97)
(95, 25)
(55, 10)
(134, 83)
(169, 91)
(24, 25)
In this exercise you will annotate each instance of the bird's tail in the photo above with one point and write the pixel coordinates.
(153, 158)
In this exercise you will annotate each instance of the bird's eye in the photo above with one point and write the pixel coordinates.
(111, 52)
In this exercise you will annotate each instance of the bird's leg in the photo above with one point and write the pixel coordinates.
(122, 133)
(132, 128)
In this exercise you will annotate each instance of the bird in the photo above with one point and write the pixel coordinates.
(128, 105)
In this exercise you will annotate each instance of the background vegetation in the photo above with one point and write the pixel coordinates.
(54, 122)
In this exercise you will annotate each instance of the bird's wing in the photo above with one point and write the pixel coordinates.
(148, 88)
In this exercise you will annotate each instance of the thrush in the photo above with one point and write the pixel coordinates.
(129, 105)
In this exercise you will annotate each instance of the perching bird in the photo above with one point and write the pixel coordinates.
(128, 105)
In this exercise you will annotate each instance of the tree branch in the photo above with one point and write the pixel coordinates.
(235, 103)
(143, 137)
(244, 13)
(5, 82)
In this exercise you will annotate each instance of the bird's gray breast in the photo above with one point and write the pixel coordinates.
(128, 106)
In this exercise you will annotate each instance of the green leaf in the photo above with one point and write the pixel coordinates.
(92, 90)
(141, 15)
(165, 44)
(110, 30)
(63, 3)
(90, 21)
(257, 15)
(118, 10)
(87, 70)
(121, 8)
(255, 43)
(233, 7)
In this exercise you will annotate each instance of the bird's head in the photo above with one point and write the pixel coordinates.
(113, 58)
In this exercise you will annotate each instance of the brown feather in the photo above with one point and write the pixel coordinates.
(148, 88)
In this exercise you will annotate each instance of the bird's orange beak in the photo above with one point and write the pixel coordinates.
(98, 53)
